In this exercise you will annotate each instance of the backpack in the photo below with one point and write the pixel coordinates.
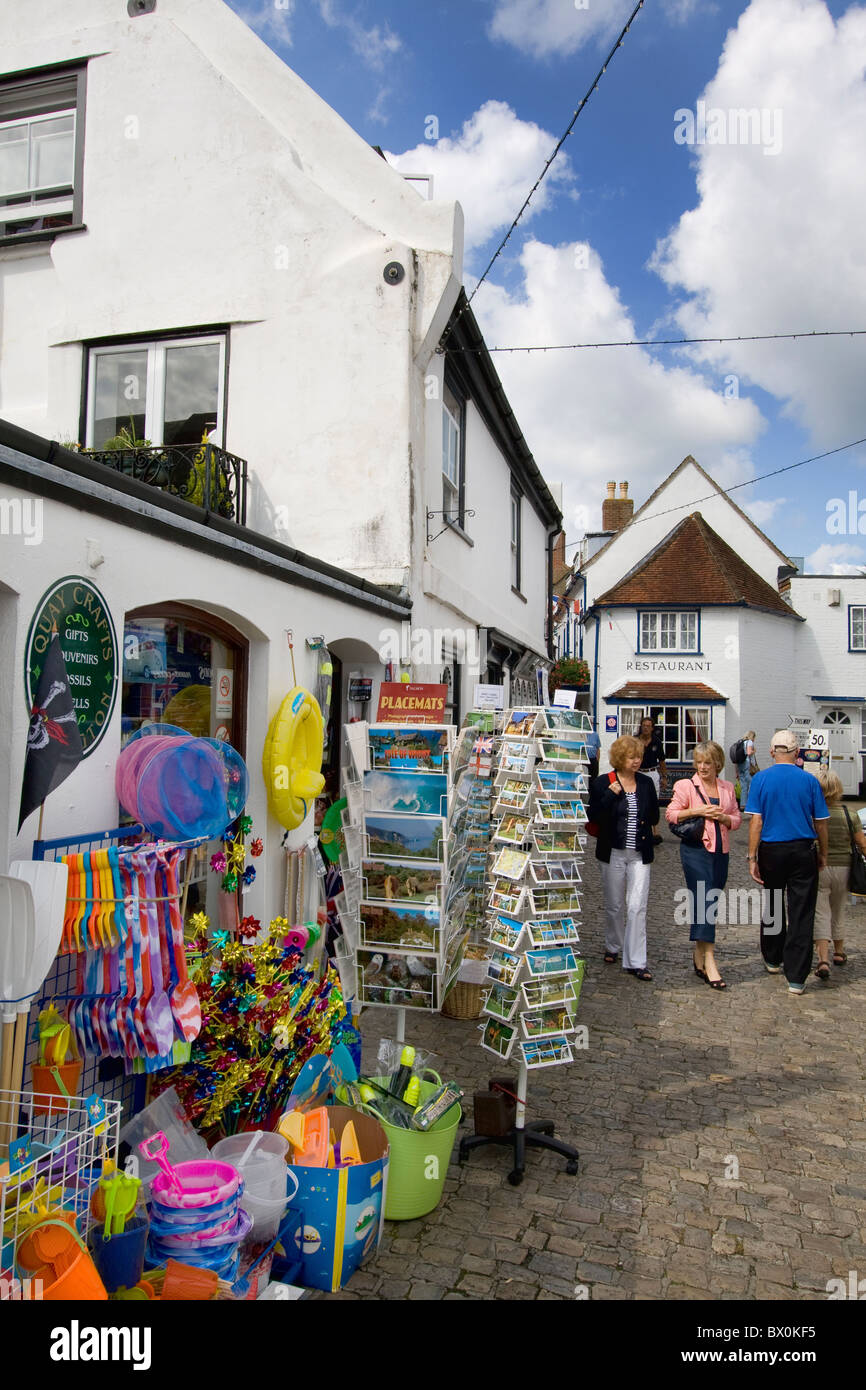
(737, 751)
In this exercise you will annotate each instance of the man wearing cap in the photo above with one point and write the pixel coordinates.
(788, 812)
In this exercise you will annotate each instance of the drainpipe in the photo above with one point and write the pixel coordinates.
(595, 675)
(582, 614)
(552, 533)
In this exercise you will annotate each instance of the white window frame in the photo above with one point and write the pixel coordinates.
(516, 519)
(41, 90)
(154, 411)
(631, 715)
(452, 445)
(852, 609)
(653, 621)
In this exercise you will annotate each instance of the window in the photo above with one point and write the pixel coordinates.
(681, 727)
(857, 629)
(453, 429)
(515, 541)
(41, 149)
(668, 632)
(169, 391)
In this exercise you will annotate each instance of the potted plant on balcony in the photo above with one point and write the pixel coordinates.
(569, 673)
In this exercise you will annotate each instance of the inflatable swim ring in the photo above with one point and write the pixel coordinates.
(331, 836)
(292, 758)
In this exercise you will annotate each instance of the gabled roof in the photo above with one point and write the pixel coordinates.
(693, 566)
(714, 485)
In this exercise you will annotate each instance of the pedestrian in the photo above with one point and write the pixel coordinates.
(708, 796)
(653, 763)
(592, 743)
(624, 806)
(788, 811)
(833, 878)
(746, 766)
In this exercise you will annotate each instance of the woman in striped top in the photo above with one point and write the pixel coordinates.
(624, 807)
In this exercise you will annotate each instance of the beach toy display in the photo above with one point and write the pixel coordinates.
(260, 1158)
(195, 1212)
(175, 786)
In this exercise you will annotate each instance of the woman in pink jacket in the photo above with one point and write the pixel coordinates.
(708, 798)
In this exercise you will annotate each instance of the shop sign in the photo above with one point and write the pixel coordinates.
(489, 697)
(361, 689)
(407, 703)
(224, 692)
(89, 646)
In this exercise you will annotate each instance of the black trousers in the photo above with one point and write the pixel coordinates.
(789, 869)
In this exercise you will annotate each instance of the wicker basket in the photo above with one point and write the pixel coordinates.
(464, 1000)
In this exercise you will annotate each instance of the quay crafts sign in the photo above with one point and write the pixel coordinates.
(89, 646)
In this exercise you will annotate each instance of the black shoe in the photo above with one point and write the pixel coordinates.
(657, 840)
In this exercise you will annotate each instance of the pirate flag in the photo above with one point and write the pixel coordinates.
(53, 739)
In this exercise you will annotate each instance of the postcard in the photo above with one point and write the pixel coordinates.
(556, 961)
(553, 781)
(557, 841)
(554, 900)
(407, 793)
(548, 871)
(521, 723)
(404, 837)
(403, 979)
(501, 1002)
(557, 1018)
(546, 1052)
(513, 829)
(510, 863)
(503, 966)
(411, 883)
(504, 932)
(504, 897)
(559, 718)
(480, 719)
(561, 750)
(552, 931)
(516, 757)
(398, 926)
(408, 748)
(550, 812)
(513, 795)
(560, 990)
(498, 1037)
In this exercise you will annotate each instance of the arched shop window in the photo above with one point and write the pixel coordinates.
(185, 667)
(837, 717)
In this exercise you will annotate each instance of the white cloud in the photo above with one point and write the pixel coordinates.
(836, 559)
(761, 510)
(775, 243)
(591, 415)
(374, 45)
(489, 168)
(267, 19)
(545, 27)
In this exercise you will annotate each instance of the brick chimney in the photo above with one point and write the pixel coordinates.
(616, 512)
(559, 561)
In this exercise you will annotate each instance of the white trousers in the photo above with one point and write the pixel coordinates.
(654, 774)
(626, 881)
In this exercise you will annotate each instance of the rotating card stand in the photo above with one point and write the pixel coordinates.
(534, 905)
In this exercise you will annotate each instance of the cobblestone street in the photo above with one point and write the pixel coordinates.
(677, 1085)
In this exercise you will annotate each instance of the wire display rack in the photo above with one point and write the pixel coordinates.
(68, 1147)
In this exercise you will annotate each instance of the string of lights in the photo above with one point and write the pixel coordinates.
(559, 144)
(676, 342)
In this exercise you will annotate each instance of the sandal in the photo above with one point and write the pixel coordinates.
(698, 970)
(839, 957)
(640, 974)
(822, 970)
(610, 958)
(715, 984)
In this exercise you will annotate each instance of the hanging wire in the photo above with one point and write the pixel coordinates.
(675, 342)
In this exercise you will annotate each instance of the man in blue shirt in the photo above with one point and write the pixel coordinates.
(788, 812)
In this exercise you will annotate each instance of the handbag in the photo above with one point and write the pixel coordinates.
(592, 826)
(690, 832)
(857, 875)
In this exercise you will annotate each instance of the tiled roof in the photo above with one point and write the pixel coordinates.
(692, 565)
(657, 692)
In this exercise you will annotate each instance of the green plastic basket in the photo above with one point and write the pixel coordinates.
(419, 1160)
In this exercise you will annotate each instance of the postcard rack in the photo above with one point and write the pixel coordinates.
(535, 972)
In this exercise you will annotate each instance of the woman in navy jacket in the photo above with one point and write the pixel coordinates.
(624, 806)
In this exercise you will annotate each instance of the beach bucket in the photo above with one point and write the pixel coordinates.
(419, 1160)
(261, 1159)
(185, 1283)
(60, 1083)
(120, 1260)
(79, 1282)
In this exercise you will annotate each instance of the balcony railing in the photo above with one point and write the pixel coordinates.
(202, 474)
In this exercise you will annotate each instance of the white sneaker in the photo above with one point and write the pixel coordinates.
(772, 969)
(796, 989)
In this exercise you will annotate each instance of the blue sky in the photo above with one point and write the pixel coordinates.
(758, 229)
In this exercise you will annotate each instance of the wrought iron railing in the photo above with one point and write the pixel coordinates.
(202, 474)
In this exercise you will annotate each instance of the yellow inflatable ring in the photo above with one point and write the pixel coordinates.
(292, 758)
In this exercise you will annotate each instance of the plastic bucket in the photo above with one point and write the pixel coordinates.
(57, 1082)
(263, 1168)
(120, 1260)
(266, 1213)
(415, 1182)
(186, 1283)
(79, 1283)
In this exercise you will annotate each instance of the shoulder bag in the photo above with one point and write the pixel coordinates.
(691, 831)
(857, 876)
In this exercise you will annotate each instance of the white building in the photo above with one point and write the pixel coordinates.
(685, 610)
(194, 242)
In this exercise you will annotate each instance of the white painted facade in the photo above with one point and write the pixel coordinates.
(219, 192)
(831, 666)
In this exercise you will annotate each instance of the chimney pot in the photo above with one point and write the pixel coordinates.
(623, 489)
(611, 489)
